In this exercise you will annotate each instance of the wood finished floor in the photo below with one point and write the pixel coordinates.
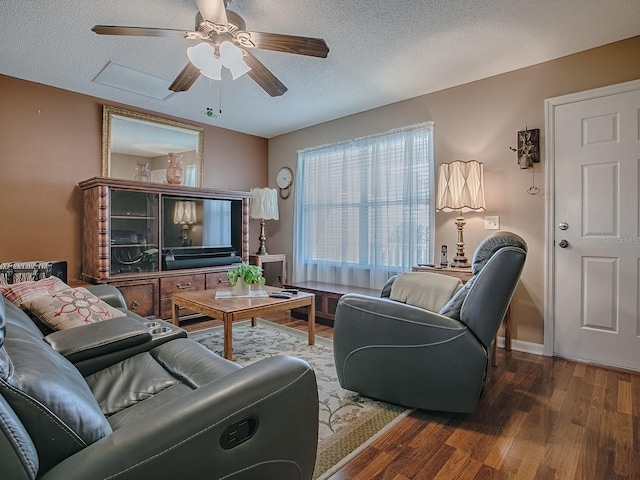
(541, 418)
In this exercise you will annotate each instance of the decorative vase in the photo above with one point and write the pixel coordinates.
(175, 170)
(241, 289)
(142, 173)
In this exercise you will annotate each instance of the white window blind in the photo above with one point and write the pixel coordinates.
(363, 209)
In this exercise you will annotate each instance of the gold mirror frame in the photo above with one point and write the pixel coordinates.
(156, 145)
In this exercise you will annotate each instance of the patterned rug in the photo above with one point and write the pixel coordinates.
(348, 421)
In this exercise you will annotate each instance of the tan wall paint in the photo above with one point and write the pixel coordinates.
(478, 121)
(51, 140)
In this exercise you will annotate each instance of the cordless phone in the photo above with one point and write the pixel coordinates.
(443, 256)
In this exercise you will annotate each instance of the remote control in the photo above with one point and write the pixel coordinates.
(290, 290)
(280, 295)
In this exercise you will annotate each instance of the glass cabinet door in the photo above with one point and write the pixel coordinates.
(134, 232)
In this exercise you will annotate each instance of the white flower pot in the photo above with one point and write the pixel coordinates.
(241, 289)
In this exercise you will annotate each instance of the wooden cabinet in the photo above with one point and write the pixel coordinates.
(327, 297)
(133, 240)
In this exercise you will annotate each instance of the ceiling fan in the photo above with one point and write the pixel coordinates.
(226, 43)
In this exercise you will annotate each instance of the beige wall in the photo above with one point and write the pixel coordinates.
(478, 121)
(51, 140)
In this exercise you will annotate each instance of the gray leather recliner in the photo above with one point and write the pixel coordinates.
(137, 407)
(410, 356)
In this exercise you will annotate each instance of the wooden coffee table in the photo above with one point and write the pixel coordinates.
(231, 309)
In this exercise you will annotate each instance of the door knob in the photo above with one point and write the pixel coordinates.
(563, 243)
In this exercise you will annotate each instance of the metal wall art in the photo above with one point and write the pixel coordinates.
(528, 148)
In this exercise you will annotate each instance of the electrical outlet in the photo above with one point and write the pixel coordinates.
(492, 223)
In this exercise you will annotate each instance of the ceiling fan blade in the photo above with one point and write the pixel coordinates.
(185, 78)
(313, 47)
(213, 10)
(139, 31)
(263, 77)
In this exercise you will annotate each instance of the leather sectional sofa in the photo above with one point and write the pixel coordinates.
(112, 400)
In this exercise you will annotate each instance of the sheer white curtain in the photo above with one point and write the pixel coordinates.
(363, 208)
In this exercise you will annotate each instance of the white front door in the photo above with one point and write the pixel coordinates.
(596, 235)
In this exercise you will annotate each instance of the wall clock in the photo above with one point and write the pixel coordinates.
(284, 180)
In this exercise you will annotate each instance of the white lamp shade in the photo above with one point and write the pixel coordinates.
(232, 58)
(202, 57)
(184, 212)
(460, 187)
(264, 203)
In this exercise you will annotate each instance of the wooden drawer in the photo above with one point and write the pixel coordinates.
(141, 298)
(181, 283)
(217, 280)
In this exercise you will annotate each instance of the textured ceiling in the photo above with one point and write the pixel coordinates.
(380, 51)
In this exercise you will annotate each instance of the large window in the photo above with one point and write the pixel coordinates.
(363, 209)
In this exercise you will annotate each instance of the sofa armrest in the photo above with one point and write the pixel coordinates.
(186, 438)
(97, 339)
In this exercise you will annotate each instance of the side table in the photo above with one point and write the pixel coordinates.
(259, 260)
(465, 274)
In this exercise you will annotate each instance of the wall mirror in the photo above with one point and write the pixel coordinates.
(133, 141)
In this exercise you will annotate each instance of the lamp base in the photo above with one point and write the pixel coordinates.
(262, 250)
(460, 263)
(460, 260)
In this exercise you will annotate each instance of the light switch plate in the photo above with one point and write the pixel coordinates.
(492, 223)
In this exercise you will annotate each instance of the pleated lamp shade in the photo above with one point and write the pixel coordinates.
(460, 187)
(264, 203)
(184, 212)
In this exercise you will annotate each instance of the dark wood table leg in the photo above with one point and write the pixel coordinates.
(311, 320)
(227, 321)
(175, 313)
(507, 329)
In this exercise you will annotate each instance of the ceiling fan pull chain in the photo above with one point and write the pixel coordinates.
(533, 190)
(220, 98)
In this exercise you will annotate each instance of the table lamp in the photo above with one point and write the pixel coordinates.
(184, 214)
(461, 189)
(264, 205)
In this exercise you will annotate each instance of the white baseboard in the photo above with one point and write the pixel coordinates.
(522, 346)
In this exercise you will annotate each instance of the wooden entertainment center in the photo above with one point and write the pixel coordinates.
(131, 238)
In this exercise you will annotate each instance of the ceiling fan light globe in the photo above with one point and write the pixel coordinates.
(213, 70)
(200, 54)
(202, 57)
(232, 58)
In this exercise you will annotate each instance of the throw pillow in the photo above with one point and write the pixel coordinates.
(423, 289)
(20, 292)
(72, 307)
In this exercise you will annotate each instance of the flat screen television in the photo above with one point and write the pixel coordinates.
(200, 232)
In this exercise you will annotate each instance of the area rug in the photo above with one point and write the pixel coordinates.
(348, 422)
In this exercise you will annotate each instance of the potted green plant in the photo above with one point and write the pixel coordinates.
(149, 259)
(242, 276)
